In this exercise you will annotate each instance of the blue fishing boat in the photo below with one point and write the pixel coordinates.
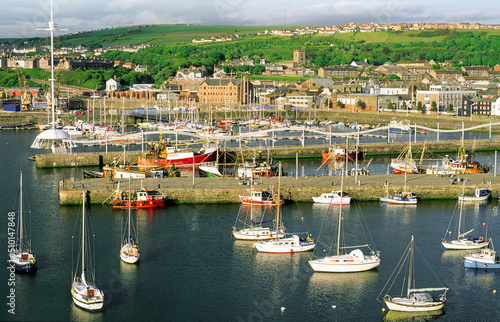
(486, 259)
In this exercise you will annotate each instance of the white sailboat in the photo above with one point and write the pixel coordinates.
(254, 230)
(416, 300)
(84, 292)
(292, 244)
(355, 261)
(403, 198)
(129, 253)
(463, 240)
(20, 255)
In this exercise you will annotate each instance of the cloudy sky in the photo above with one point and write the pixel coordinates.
(22, 18)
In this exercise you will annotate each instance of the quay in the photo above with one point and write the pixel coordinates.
(293, 189)
(266, 152)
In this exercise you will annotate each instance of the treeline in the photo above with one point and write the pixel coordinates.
(162, 61)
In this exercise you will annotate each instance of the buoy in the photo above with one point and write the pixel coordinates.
(334, 306)
(383, 310)
(282, 309)
(494, 291)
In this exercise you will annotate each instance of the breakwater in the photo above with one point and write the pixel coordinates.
(301, 189)
(279, 152)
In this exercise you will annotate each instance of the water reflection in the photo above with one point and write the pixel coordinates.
(329, 291)
(413, 316)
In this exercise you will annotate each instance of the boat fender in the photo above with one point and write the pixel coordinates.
(150, 202)
(270, 235)
(481, 238)
(32, 261)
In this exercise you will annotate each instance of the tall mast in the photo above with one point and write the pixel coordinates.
(340, 212)
(278, 215)
(83, 242)
(129, 207)
(51, 29)
(21, 213)
(411, 268)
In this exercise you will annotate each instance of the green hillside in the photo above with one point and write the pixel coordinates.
(173, 48)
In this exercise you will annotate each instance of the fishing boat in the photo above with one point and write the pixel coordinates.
(481, 194)
(336, 153)
(290, 243)
(144, 199)
(162, 155)
(21, 256)
(463, 239)
(83, 290)
(262, 198)
(335, 198)
(402, 127)
(129, 252)
(416, 300)
(486, 259)
(404, 163)
(354, 261)
(463, 163)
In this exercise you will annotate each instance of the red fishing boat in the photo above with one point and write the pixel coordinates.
(161, 155)
(144, 199)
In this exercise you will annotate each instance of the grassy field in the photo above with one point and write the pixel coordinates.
(155, 34)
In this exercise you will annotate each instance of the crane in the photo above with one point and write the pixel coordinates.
(24, 89)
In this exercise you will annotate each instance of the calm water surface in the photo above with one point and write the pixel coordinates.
(192, 270)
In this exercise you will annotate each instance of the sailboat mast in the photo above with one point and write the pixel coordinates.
(411, 268)
(129, 206)
(461, 207)
(83, 241)
(340, 212)
(21, 213)
(278, 215)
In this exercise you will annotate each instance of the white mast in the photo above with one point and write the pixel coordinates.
(83, 242)
(340, 212)
(21, 214)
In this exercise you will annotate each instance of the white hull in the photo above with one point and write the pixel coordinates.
(457, 244)
(284, 245)
(255, 233)
(393, 201)
(331, 264)
(130, 259)
(345, 201)
(407, 305)
(83, 300)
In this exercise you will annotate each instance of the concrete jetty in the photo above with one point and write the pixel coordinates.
(301, 189)
(263, 152)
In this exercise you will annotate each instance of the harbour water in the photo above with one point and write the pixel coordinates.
(192, 269)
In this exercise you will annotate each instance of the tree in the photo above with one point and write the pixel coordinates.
(390, 106)
(420, 106)
(340, 104)
(404, 106)
(449, 108)
(360, 104)
(433, 106)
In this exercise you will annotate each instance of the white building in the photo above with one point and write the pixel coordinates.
(113, 85)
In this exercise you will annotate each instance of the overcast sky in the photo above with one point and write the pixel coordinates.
(22, 18)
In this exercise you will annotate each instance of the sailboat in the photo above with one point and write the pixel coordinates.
(129, 253)
(291, 244)
(255, 230)
(416, 300)
(85, 294)
(355, 261)
(20, 255)
(463, 241)
(404, 198)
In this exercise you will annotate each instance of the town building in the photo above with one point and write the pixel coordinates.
(225, 91)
